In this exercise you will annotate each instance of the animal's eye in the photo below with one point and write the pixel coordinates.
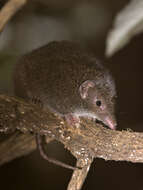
(98, 103)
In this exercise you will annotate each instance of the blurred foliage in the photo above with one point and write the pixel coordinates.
(6, 69)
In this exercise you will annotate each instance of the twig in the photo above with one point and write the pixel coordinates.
(79, 176)
(9, 9)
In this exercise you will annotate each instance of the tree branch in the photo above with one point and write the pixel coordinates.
(16, 145)
(9, 9)
(85, 142)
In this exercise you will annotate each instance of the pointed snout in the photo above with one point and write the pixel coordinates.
(110, 122)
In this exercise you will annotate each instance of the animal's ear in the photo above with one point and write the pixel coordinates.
(84, 87)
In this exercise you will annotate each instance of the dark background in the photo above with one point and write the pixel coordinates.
(87, 22)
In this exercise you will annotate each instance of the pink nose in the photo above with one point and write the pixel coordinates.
(110, 123)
